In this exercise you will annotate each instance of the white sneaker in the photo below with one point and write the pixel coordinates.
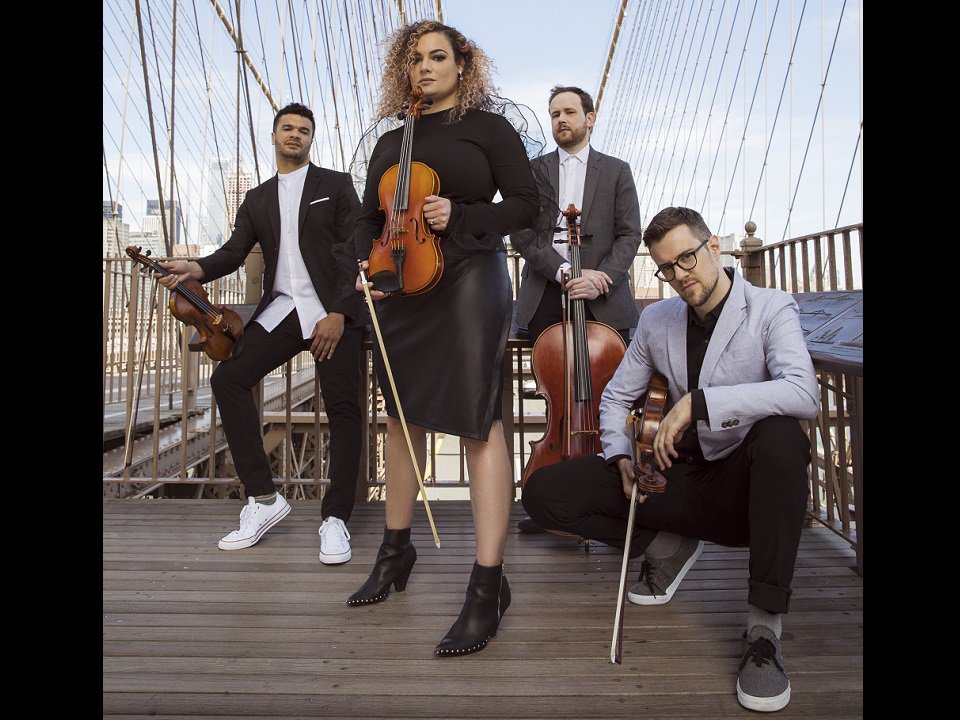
(255, 519)
(334, 541)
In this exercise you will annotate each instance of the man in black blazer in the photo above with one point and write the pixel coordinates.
(303, 219)
(602, 188)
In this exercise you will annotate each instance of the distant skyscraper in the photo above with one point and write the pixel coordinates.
(237, 185)
(151, 241)
(108, 211)
(728, 243)
(116, 233)
(153, 211)
(214, 223)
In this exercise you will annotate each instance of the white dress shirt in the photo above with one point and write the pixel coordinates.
(573, 173)
(292, 287)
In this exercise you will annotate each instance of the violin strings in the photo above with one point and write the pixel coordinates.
(403, 182)
(197, 301)
(186, 292)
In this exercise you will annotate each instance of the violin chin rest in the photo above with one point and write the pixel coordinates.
(386, 281)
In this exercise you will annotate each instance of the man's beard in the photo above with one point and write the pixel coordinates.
(576, 137)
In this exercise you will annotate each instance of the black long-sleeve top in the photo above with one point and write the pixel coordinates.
(474, 158)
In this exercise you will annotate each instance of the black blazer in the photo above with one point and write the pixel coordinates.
(328, 210)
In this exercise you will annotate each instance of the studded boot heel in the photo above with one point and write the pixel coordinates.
(487, 599)
(395, 560)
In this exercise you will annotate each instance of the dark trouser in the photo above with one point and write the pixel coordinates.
(550, 311)
(754, 497)
(233, 382)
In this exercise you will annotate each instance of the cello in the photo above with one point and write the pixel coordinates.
(406, 258)
(572, 361)
(218, 326)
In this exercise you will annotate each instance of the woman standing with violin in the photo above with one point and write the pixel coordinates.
(445, 342)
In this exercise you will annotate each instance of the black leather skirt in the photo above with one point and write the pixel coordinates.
(446, 347)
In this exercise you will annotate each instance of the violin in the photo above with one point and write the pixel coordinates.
(645, 422)
(219, 327)
(572, 362)
(406, 258)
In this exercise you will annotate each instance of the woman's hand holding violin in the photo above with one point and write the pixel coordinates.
(437, 212)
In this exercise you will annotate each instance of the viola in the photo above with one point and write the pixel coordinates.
(406, 258)
(218, 326)
(572, 362)
(645, 421)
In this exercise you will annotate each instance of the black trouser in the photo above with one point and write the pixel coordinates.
(754, 497)
(260, 352)
(550, 311)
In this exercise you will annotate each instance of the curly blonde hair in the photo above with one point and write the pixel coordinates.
(475, 88)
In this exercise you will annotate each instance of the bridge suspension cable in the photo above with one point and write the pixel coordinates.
(687, 103)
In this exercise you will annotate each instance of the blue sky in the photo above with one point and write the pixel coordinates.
(536, 45)
(730, 180)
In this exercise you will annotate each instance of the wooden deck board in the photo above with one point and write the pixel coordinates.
(189, 630)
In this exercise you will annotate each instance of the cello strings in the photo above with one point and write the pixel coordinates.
(581, 350)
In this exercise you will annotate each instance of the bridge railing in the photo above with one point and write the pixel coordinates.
(139, 337)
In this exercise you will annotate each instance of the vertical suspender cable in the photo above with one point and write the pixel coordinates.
(153, 132)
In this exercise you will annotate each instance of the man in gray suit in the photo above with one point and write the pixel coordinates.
(731, 448)
(602, 188)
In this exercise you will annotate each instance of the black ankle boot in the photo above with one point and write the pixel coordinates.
(488, 596)
(395, 560)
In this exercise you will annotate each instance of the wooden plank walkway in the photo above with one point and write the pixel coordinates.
(191, 631)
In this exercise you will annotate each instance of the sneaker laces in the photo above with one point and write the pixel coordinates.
(761, 651)
(246, 514)
(342, 535)
(646, 576)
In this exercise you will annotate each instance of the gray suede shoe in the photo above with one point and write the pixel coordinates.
(660, 577)
(762, 683)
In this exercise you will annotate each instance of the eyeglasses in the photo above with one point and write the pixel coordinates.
(687, 261)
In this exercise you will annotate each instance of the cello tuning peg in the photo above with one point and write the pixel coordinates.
(147, 253)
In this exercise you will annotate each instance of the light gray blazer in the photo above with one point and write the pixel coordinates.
(757, 365)
(611, 215)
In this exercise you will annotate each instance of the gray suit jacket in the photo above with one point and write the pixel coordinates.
(757, 365)
(611, 215)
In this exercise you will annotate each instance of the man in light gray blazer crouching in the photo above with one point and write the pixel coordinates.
(730, 447)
